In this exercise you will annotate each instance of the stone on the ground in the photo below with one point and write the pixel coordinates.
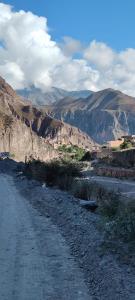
(89, 204)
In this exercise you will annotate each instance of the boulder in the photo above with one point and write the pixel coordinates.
(89, 204)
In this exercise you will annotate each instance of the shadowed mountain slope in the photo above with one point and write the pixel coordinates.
(104, 115)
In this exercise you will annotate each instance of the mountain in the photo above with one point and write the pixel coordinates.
(51, 96)
(104, 115)
(26, 130)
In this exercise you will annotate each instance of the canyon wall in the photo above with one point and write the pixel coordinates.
(23, 143)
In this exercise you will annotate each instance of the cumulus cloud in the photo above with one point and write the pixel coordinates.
(75, 74)
(29, 56)
(99, 54)
(71, 46)
(116, 69)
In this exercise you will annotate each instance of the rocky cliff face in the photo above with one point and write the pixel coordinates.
(104, 115)
(26, 130)
(101, 125)
(23, 143)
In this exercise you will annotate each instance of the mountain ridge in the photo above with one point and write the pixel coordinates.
(104, 115)
(53, 95)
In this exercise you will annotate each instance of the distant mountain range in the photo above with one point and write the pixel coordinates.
(104, 115)
(53, 95)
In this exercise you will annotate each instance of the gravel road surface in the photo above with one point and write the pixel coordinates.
(35, 262)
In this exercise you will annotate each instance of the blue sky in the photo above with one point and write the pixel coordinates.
(109, 21)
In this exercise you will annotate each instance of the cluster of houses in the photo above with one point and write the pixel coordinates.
(106, 149)
(120, 141)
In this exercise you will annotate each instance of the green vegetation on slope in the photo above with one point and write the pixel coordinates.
(72, 151)
(126, 145)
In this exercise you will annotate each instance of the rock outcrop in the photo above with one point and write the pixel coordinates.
(23, 143)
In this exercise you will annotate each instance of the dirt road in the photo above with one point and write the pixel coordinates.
(125, 187)
(35, 263)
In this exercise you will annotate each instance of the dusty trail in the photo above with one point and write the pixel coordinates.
(35, 263)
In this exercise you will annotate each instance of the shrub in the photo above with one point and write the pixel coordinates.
(126, 145)
(83, 189)
(123, 225)
(55, 173)
(88, 156)
(76, 152)
(115, 149)
(119, 233)
(108, 202)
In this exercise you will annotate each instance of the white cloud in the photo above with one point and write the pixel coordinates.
(28, 47)
(75, 74)
(28, 56)
(116, 69)
(99, 54)
(12, 73)
(71, 46)
(127, 58)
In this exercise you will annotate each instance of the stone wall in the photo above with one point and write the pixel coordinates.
(125, 158)
(115, 172)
